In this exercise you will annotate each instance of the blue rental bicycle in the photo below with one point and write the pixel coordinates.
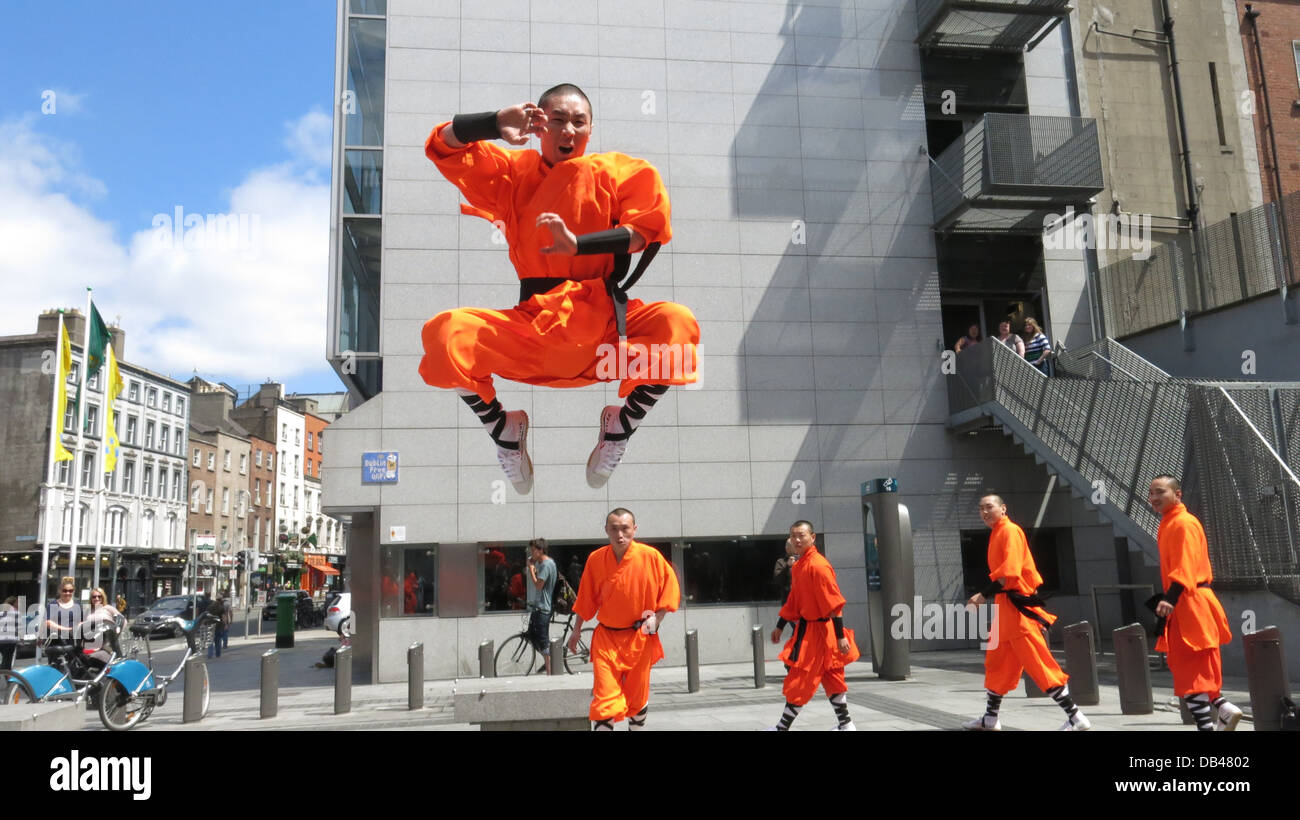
(76, 671)
(131, 690)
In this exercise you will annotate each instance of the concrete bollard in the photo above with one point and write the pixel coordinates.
(760, 676)
(1131, 668)
(556, 650)
(270, 690)
(343, 681)
(195, 682)
(692, 660)
(487, 667)
(1081, 664)
(415, 676)
(1266, 668)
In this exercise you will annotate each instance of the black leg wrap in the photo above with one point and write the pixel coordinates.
(639, 718)
(639, 402)
(491, 413)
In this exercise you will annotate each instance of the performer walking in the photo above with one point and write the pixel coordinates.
(1016, 643)
(1195, 625)
(632, 587)
(571, 221)
(821, 646)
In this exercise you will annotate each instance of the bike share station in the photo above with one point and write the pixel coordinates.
(887, 539)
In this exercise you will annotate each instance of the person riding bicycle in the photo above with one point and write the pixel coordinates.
(101, 616)
(64, 614)
(540, 589)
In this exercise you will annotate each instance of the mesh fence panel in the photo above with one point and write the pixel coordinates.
(1043, 151)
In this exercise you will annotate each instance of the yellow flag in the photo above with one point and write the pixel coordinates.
(65, 367)
(114, 387)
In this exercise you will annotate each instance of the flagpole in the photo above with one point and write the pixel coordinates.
(79, 459)
(56, 433)
(98, 473)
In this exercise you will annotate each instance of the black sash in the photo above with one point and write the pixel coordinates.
(798, 636)
(1023, 603)
(528, 288)
(620, 628)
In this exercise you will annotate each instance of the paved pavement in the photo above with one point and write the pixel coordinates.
(944, 690)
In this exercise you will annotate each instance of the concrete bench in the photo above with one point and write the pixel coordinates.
(41, 717)
(546, 703)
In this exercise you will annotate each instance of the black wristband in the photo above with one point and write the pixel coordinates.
(838, 623)
(781, 622)
(992, 589)
(474, 127)
(615, 240)
(1174, 593)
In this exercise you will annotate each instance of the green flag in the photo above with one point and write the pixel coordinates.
(98, 341)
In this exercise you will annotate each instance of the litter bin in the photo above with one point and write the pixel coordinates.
(286, 609)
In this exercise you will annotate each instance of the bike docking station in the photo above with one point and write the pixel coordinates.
(887, 537)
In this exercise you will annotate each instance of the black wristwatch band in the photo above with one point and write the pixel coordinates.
(474, 127)
(615, 240)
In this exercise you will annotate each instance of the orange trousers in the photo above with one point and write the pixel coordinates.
(1026, 652)
(563, 338)
(622, 679)
(1194, 670)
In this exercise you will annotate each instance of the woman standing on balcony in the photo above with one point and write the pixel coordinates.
(972, 337)
(1038, 348)
(1011, 340)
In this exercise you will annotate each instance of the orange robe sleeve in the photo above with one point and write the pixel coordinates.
(482, 171)
(642, 201)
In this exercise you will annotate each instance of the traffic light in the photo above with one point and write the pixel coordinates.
(239, 562)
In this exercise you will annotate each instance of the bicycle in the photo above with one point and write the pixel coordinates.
(132, 691)
(518, 657)
(73, 674)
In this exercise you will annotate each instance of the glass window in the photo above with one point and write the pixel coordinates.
(167, 401)
(363, 176)
(208, 506)
(87, 468)
(93, 381)
(130, 429)
(284, 432)
(162, 482)
(225, 501)
(732, 571)
(196, 497)
(308, 439)
(257, 491)
(92, 419)
(212, 461)
(128, 477)
(408, 580)
(368, 7)
(148, 434)
(297, 437)
(70, 418)
(258, 458)
(110, 481)
(359, 287)
(164, 433)
(225, 462)
(115, 528)
(243, 463)
(365, 79)
(133, 391)
(180, 406)
(176, 485)
(152, 397)
(146, 529)
(197, 460)
(1052, 548)
(146, 485)
(64, 472)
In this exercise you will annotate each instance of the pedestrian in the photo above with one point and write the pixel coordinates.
(1016, 643)
(971, 338)
(566, 216)
(121, 603)
(633, 588)
(781, 570)
(1195, 625)
(1038, 348)
(64, 614)
(821, 646)
(100, 612)
(221, 611)
(540, 591)
(11, 631)
(1011, 340)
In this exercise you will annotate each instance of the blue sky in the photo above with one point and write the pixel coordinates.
(216, 108)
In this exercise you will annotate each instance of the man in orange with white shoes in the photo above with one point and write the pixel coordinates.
(1017, 644)
(572, 221)
(632, 588)
(1195, 623)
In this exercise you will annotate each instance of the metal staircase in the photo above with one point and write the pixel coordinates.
(1108, 420)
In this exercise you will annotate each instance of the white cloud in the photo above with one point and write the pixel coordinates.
(247, 306)
(311, 137)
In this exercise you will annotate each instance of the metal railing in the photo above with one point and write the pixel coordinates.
(1017, 163)
(1241, 258)
(1109, 421)
(986, 25)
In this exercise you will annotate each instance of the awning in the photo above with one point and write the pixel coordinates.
(319, 564)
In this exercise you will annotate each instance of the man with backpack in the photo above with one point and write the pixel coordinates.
(540, 588)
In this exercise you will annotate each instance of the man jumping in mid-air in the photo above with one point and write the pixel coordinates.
(566, 216)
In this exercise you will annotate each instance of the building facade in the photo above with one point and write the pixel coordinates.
(139, 516)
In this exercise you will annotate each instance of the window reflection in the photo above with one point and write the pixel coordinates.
(359, 325)
(365, 76)
(407, 581)
(368, 7)
(504, 571)
(363, 181)
(734, 571)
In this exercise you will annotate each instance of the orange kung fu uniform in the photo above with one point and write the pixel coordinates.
(1198, 625)
(813, 653)
(1020, 645)
(555, 338)
(621, 656)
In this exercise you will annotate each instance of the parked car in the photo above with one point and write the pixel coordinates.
(337, 609)
(150, 623)
(306, 607)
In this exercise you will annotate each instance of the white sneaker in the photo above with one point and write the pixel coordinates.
(1227, 718)
(981, 724)
(844, 727)
(1078, 723)
(516, 463)
(608, 453)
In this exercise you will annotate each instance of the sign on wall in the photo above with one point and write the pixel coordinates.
(379, 468)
